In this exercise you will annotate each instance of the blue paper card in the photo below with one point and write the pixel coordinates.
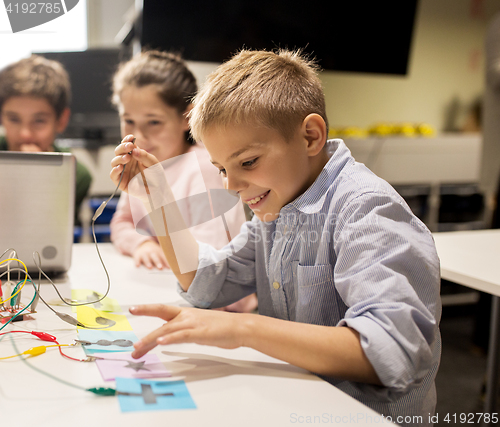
(106, 341)
(148, 395)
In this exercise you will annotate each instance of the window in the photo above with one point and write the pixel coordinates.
(65, 33)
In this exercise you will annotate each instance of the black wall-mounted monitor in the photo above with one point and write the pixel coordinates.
(353, 36)
(90, 71)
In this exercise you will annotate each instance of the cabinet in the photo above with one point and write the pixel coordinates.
(429, 169)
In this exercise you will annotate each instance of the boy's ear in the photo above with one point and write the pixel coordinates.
(314, 131)
(63, 120)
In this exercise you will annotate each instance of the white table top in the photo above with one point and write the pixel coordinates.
(239, 387)
(471, 258)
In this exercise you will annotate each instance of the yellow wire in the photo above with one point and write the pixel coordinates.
(35, 351)
(25, 279)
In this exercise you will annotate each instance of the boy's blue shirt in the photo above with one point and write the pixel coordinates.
(347, 252)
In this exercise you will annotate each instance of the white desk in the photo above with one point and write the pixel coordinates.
(472, 258)
(239, 387)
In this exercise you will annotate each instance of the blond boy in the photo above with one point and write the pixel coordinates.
(347, 277)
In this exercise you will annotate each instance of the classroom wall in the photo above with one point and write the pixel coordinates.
(105, 19)
(445, 70)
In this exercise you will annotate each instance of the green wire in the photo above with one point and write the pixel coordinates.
(100, 391)
(43, 372)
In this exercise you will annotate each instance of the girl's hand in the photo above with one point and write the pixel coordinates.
(134, 157)
(151, 255)
(189, 325)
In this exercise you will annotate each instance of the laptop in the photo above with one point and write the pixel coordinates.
(37, 203)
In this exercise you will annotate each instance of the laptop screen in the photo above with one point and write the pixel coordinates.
(37, 203)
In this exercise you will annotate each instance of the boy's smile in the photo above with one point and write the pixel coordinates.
(256, 200)
(266, 171)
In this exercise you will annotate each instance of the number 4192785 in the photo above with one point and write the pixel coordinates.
(54, 7)
(471, 418)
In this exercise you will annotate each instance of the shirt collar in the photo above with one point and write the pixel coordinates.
(312, 200)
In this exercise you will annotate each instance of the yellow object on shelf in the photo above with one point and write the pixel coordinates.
(383, 129)
(347, 132)
(425, 130)
(405, 129)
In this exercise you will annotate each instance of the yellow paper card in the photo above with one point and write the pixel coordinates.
(97, 319)
(88, 295)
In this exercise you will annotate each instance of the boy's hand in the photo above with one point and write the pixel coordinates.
(188, 325)
(134, 157)
(151, 255)
(30, 148)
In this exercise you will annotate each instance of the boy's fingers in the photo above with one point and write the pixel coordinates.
(150, 341)
(165, 312)
(143, 348)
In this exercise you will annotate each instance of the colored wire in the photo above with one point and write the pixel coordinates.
(36, 292)
(96, 215)
(42, 335)
(71, 304)
(20, 312)
(69, 357)
(7, 250)
(46, 337)
(25, 278)
(65, 317)
(13, 254)
(43, 372)
(16, 301)
(101, 391)
(35, 351)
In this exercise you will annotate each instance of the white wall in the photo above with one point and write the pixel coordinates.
(105, 19)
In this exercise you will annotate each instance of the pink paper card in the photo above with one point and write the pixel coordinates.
(112, 365)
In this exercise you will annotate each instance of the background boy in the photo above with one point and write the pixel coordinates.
(346, 276)
(35, 94)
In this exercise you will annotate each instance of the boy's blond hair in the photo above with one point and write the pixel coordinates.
(272, 89)
(36, 77)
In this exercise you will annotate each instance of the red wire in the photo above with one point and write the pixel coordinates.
(68, 357)
(9, 332)
(52, 339)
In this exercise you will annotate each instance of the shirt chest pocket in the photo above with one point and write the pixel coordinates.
(317, 299)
